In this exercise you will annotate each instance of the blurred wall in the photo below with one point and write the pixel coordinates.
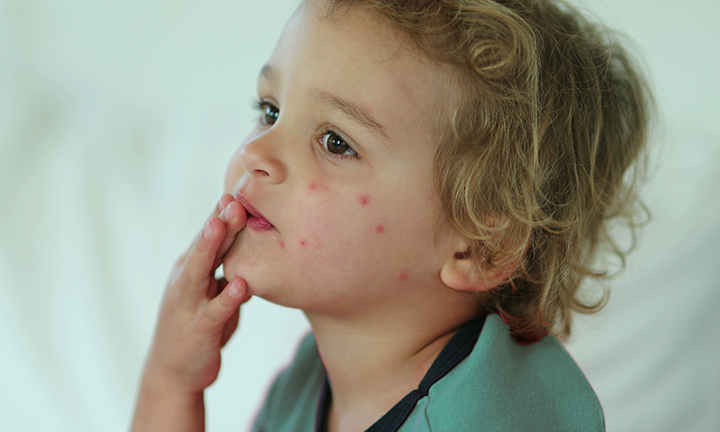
(116, 121)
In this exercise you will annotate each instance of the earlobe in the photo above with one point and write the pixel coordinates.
(462, 274)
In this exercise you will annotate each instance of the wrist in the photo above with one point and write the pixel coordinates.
(165, 404)
(165, 383)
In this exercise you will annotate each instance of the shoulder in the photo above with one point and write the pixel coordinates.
(502, 385)
(291, 402)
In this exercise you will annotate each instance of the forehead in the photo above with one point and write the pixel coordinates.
(358, 57)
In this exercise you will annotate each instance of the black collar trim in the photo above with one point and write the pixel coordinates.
(459, 347)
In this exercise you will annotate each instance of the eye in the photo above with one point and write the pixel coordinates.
(269, 113)
(335, 145)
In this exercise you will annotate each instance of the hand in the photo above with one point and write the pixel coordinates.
(199, 313)
(197, 317)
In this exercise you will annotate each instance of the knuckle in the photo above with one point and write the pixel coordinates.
(208, 319)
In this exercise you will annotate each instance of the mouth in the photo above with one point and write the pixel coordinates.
(255, 220)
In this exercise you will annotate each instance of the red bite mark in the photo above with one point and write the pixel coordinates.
(302, 243)
(314, 186)
(379, 229)
(403, 275)
(282, 244)
(364, 199)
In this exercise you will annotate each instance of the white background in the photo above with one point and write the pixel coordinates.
(117, 119)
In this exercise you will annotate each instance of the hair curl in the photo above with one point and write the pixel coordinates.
(544, 148)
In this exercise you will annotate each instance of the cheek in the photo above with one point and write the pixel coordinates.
(320, 225)
(337, 233)
(337, 237)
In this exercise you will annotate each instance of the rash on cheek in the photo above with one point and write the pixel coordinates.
(364, 201)
(317, 186)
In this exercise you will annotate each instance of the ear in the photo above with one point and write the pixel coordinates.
(462, 274)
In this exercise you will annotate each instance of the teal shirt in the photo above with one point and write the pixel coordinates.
(481, 381)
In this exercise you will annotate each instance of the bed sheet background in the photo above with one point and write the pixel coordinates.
(116, 121)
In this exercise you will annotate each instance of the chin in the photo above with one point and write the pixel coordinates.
(232, 271)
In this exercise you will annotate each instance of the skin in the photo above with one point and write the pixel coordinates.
(325, 207)
(197, 317)
(357, 239)
(340, 216)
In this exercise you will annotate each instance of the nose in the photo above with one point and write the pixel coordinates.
(260, 157)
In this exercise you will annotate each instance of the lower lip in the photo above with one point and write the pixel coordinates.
(258, 224)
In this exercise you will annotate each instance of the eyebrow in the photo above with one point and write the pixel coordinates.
(353, 111)
(267, 71)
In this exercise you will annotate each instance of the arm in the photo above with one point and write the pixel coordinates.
(160, 407)
(197, 317)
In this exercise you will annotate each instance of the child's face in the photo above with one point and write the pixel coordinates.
(341, 165)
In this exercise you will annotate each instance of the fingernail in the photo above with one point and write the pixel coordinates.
(234, 290)
(208, 232)
(229, 213)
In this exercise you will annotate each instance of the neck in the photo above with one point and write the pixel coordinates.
(373, 363)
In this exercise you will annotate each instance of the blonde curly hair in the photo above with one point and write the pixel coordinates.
(545, 147)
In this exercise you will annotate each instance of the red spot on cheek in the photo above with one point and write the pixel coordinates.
(403, 275)
(302, 243)
(364, 199)
(315, 186)
(282, 244)
(379, 229)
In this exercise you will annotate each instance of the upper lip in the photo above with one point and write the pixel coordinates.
(248, 207)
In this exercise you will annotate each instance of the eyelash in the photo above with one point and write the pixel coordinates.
(262, 107)
(265, 107)
(348, 153)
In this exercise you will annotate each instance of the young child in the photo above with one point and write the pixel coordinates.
(429, 181)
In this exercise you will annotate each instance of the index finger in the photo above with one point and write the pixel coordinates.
(225, 199)
(199, 268)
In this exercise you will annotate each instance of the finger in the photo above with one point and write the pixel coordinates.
(235, 216)
(230, 327)
(198, 269)
(222, 203)
(217, 287)
(225, 199)
(221, 308)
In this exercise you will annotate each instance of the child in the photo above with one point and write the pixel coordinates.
(429, 182)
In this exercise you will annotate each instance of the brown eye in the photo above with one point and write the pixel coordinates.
(268, 113)
(336, 145)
